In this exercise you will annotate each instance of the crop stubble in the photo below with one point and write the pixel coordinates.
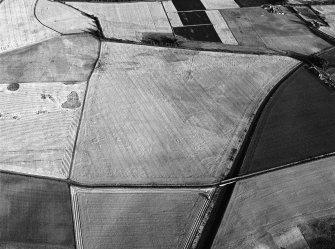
(38, 123)
(169, 116)
(138, 218)
(19, 27)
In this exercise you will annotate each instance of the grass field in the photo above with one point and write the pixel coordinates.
(288, 208)
(38, 121)
(128, 21)
(169, 116)
(295, 125)
(138, 218)
(35, 213)
(19, 27)
(63, 18)
(66, 58)
(254, 26)
(241, 28)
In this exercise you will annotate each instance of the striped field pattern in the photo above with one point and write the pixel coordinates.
(19, 27)
(138, 218)
(39, 129)
(169, 116)
(123, 125)
(272, 210)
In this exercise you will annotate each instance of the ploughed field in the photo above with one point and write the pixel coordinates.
(296, 124)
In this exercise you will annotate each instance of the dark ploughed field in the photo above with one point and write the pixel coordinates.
(296, 124)
(35, 213)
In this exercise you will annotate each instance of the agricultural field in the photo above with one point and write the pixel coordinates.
(138, 218)
(289, 208)
(221, 27)
(296, 124)
(176, 116)
(310, 2)
(187, 24)
(63, 18)
(68, 58)
(328, 11)
(128, 21)
(217, 4)
(38, 121)
(188, 20)
(195, 5)
(284, 32)
(35, 213)
(19, 27)
(191, 124)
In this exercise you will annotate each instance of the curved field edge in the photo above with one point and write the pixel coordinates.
(134, 60)
(295, 126)
(63, 18)
(18, 22)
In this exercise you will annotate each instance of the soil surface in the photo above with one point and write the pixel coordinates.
(35, 211)
(296, 124)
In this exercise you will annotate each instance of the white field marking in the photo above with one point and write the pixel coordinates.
(175, 19)
(219, 4)
(221, 27)
(169, 7)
